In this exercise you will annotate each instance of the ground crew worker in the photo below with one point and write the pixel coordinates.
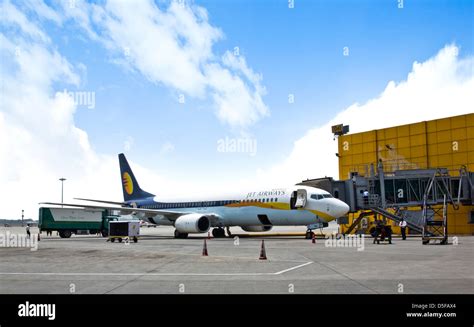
(377, 231)
(403, 227)
(366, 198)
(28, 234)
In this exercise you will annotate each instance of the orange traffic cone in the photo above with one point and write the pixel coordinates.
(263, 254)
(313, 239)
(204, 249)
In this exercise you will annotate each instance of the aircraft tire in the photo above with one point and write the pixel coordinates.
(218, 232)
(180, 235)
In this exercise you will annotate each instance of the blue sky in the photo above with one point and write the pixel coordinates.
(189, 50)
(298, 51)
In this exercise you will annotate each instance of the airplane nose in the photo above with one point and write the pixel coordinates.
(341, 209)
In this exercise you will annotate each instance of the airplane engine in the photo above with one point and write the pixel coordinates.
(264, 228)
(192, 223)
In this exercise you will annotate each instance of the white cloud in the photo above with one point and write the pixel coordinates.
(81, 12)
(39, 141)
(43, 11)
(231, 92)
(440, 87)
(13, 17)
(173, 47)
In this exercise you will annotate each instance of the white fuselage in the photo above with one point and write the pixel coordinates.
(296, 205)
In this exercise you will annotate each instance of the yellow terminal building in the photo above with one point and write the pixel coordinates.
(442, 143)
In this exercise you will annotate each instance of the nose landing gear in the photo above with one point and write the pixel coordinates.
(309, 234)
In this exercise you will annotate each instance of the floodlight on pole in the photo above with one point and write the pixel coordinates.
(62, 179)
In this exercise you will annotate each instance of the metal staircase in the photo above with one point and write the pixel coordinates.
(397, 217)
(357, 221)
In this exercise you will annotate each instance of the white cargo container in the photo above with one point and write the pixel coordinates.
(124, 230)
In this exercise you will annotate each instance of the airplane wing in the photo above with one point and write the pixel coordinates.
(102, 201)
(171, 215)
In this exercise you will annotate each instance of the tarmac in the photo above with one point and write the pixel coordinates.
(160, 264)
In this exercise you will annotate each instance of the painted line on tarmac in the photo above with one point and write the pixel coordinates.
(137, 274)
(153, 274)
(293, 268)
(134, 274)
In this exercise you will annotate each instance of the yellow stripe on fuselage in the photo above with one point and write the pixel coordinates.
(320, 214)
(270, 205)
(278, 206)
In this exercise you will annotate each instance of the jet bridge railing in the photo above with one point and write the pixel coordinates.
(410, 189)
(466, 186)
(430, 190)
(413, 194)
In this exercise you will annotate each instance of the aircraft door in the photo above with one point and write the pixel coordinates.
(298, 199)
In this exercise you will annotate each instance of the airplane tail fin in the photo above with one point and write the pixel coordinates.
(131, 189)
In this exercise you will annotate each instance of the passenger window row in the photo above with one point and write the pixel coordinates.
(260, 200)
(206, 204)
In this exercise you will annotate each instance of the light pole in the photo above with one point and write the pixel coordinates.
(22, 216)
(62, 179)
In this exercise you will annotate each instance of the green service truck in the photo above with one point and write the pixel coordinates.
(67, 221)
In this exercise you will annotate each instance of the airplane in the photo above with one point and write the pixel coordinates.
(253, 211)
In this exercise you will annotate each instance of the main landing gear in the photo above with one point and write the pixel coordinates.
(309, 234)
(218, 232)
(180, 235)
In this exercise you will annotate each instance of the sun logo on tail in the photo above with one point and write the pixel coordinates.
(127, 183)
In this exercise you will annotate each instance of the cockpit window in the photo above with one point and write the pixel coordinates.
(320, 196)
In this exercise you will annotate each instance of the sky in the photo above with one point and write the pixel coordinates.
(175, 84)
